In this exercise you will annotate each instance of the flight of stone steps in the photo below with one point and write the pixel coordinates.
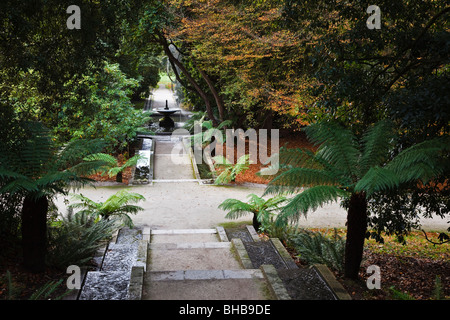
(199, 264)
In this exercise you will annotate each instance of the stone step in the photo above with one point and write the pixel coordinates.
(189, 245)
(182, 231)
(179, 275)
(184, 238)
(211, 289)
(185, 235)
(192, 256)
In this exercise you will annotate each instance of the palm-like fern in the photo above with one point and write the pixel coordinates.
(345, 167)
(110, 164)
(118, 205)
(208, 131)
(34, 168)
(230, 171)
(262, 209)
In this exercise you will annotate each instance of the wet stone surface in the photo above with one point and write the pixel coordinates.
(264, 252)
(238, 233)
(106, 285)
(111, 282)
(305, 284)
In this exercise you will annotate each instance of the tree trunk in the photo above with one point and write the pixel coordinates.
(34, 233)
(256, 223)
(199, 90)
(356, 233)
(217, 97)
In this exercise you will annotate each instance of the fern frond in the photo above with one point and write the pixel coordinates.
(304, 177)
(310, 199)
(18, 185)
(74, 151)
(337, 146)
(421, 161)
(221, 160)
(377, 179)
(235, 208)
(377, 143)
(106, 158)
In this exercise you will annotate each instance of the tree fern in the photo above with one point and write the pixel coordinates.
(337, 145)
(35, 169)
(108, 164)
(118, 206)
(344, 167)
(230, 171)
(262, 209)
(377, 143)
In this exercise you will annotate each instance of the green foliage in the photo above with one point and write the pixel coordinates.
(99, 106)
(343, 165)
(354, 170)
(111, 165)
(263, 210)
(197, 117)
(74, 239)
(438, 291)
(36, 166)
(116, 206)
(47, 290)
(316, 247)
(229, 170)
(399, 295)
(207, 131)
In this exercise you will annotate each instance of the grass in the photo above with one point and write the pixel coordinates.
(235, 224)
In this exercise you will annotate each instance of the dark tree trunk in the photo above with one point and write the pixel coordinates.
(34, 233)
(176, 63)
(256, 223)
(356, 233)
(217, 97)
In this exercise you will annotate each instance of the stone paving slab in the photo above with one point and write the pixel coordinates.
(204, 275)
(190, 245)
(173, 167)
(212, 289)
(192, 259)
(184, 238)
(182, 231)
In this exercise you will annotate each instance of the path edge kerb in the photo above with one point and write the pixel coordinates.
(136, 282)
(335, 286)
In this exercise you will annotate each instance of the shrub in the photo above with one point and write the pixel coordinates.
(115, 206)
(230, 171)
(316, 247)
(75, 239)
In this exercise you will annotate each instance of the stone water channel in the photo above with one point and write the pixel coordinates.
(300, 283)
(111, 279)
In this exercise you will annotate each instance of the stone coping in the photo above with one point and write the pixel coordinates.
(335, 286)
(213, 274)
